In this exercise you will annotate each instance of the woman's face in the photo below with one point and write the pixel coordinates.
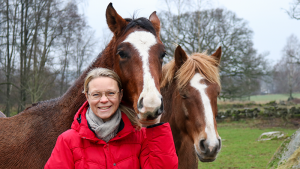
(103, 107)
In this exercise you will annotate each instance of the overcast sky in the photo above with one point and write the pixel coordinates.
(267, 19)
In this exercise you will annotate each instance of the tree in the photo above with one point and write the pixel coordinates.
(206, 30)
(32, 35)
(8, 37)
(294, 11)
(77, 45)
(85, 44)
(287, 70)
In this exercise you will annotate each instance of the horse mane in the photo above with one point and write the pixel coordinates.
(40, 103)
(206, 65)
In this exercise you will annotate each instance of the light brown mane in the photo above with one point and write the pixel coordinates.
(206, 65)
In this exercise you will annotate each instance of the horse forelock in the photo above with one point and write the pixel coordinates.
(139, 22)
(206, 65)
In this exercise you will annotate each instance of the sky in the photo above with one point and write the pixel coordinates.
(267, 19)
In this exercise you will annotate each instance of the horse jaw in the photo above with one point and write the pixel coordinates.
(150, 99)
(207, 145)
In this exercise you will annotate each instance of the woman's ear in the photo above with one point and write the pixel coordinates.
(121, 95)
(86, 95)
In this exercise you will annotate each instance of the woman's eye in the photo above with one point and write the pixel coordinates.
(95, 95)
(111, 93)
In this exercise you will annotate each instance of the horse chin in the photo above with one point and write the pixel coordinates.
(205, 159)
(148, 116)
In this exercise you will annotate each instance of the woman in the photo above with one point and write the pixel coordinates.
(105, 134)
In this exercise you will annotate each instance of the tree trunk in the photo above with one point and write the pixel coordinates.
(8, 68)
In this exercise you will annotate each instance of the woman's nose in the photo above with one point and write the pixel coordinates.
(103, 98)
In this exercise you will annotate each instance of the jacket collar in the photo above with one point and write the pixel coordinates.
(81, 126)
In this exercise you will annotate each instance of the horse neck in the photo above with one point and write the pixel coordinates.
(169, 93)
(74, 97)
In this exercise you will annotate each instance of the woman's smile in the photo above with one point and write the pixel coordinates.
(104, 108)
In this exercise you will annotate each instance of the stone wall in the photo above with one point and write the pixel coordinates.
(265, 112)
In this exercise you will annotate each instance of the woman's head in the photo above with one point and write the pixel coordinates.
(103, 90)
(99, 78)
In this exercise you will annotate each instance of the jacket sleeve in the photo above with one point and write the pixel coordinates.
(158, 150)
(61, 156)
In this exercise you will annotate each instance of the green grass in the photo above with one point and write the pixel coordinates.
(240, 148)
(272, 97)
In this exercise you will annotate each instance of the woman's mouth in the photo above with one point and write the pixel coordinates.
(104, 108)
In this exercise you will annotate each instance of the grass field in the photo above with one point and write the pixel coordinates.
(272, 97)
(240, 148)
(262, 98)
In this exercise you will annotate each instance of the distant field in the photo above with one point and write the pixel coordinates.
(272, 97)
(241, 150)
(266, 98)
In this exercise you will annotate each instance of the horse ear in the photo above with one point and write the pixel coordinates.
(114, 21)
(180, 56)
(217, 54)
(155, 22)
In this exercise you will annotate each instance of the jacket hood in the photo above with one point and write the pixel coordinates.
(81, 126)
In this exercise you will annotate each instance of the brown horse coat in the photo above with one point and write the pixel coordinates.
(27, 139)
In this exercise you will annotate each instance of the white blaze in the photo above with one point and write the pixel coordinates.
(209, 119)
(142, 42)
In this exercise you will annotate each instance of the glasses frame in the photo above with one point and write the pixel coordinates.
(115, 96)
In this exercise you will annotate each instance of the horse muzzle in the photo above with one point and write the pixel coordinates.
(208, 151)
(150, 109)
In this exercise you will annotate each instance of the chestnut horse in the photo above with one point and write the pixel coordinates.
(190, 88)
(135, 53)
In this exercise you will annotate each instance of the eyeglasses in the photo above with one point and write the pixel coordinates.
(108, 94)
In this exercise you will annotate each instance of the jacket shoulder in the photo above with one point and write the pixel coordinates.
(71, 137)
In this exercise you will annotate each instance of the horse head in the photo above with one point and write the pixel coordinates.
(196, 85)
(138, 54)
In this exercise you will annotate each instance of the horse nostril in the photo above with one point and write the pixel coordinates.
(220, 145)
(161, 108)
(202, 146)
(140, 103)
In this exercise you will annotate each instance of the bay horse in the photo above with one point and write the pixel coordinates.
(135, 53)
(190, 87)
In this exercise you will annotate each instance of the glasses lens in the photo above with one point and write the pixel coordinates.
(96, 96)
(108, 94)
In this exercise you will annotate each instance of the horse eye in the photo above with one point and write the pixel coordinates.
(183, 96)
(122, 54)
(163, 55)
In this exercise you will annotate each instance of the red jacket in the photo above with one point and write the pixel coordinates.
(149, 148)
